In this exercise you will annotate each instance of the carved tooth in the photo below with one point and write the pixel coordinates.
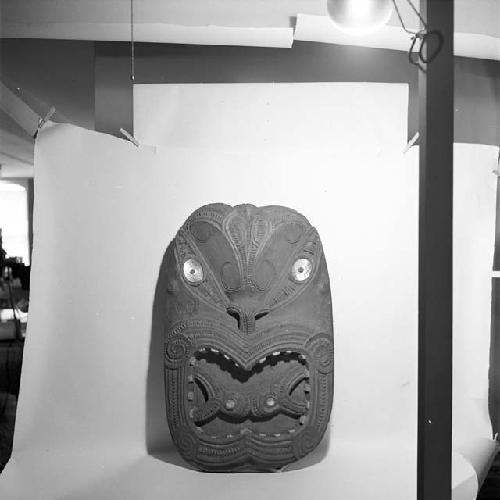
(301, 356)
(307, 388)
(291, 431)
(262, 360)
(226, 356)
(276, 353)
(214, 350)
(190, 379)
(277, 435)
(191, 412)
(199, 429)
(288, 352)
(203, 349)
(302, 420)
(190, 396)
(229, 436)
(245, 430)
(308, 404)
(261, 434)
(192, 361)
(306, 373)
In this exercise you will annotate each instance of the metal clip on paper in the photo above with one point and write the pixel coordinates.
(130, 137)
(44, 120)
(411, 142)
(497, 171)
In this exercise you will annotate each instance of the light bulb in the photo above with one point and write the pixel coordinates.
(359, 17)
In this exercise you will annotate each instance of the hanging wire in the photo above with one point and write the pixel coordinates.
(415, 10)
(132, 48)
(423, 35)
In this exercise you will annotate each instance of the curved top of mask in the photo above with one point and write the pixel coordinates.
(263, 257)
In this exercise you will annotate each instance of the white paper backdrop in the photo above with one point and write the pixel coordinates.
(474, 212)
(91, 414)
(345, 117)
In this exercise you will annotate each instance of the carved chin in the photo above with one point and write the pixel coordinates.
(268, 397)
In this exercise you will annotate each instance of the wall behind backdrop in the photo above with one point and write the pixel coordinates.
(61, 73)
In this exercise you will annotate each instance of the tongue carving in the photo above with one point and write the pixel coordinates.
(249, 338)
(250, 401)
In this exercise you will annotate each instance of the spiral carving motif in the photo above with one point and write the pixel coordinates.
(186, 443)
(240, 402)
(265, 403)
(323, 355)
(305, 442)
(176, 351)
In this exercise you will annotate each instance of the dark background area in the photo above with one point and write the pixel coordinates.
(65, 74)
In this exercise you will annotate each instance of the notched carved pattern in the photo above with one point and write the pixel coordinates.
(208, 290)
(259, 235)
(186, 442)
(251, 401)
(176, 351)
(214, 213)
(290, 288)
(241, 398)
(235, 228)
(321, 347)
(305, 442)
(248, 231)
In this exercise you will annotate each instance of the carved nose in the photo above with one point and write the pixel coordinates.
(246, 316)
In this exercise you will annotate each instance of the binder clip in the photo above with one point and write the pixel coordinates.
(411, 142)
(130, 137)
(44, 120)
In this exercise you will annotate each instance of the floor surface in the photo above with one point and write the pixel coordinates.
(7, 419)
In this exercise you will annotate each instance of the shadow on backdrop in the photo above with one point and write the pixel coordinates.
(158, 441)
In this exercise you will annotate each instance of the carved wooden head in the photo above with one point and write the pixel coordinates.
(249, 338)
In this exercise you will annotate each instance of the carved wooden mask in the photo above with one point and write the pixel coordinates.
(249, 338)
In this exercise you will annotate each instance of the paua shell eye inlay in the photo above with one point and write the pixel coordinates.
(248, 350)
(193, 271)
(301, 269)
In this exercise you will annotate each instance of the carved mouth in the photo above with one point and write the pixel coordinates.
(271, 398)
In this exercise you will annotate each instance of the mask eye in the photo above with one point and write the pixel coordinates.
(301, 269)
(193, 272)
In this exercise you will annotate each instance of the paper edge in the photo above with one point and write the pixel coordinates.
(313, 28)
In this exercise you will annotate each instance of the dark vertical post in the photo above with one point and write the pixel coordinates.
(30, 191)
(435, 259)
(494, 371)
(113, 88)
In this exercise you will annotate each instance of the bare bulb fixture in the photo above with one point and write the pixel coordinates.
(359, 17)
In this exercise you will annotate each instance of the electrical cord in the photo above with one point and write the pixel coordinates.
(423, 35)
(132, 43)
